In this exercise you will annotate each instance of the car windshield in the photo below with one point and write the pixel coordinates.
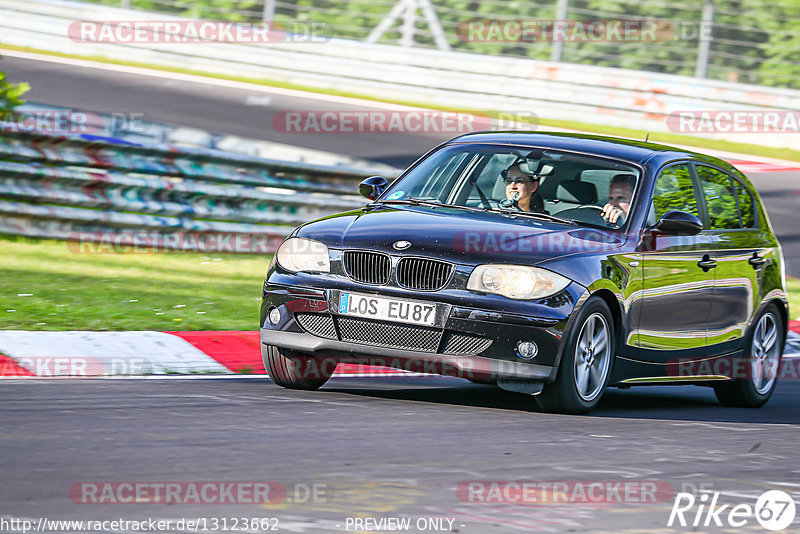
(541, 183)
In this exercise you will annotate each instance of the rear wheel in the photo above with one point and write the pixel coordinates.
(293, 370)
(585, 364)
(762, 360)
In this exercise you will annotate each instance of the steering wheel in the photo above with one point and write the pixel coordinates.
(596, 217)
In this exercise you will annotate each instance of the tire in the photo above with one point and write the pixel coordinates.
(583, 362)
(292, 370)
(762, 363)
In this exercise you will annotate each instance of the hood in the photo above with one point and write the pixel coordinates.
(459, 236)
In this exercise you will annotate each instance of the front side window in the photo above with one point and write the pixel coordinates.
(674, 191)
(589, 190)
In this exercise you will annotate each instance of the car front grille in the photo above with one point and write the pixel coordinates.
(462, 344)
(367, 267)
(391, 335)
(423, 274)
(397, 336)
(317, 324)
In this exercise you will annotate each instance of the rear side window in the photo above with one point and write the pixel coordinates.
(601, 178)
(747, 208)
(674, 192)
(721, 205)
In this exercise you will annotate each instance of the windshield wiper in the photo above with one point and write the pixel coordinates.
(535, 215)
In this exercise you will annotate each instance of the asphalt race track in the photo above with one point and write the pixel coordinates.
(231, 111)
(375, 448)
(391, 447)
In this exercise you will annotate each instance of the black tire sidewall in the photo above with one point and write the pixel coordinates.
(742, 391)
(562, 394)
(289, 369)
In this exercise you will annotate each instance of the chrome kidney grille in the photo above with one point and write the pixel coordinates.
(423, 274)
(375, 268)
(367, 267)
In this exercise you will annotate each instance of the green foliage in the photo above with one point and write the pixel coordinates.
(752, 41)
(723, 212)
(11, 94)
(674, 192)
(793, 287)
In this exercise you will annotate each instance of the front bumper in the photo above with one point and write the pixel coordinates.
(472, 343)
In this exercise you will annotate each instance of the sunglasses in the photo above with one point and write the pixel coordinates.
(509, 181)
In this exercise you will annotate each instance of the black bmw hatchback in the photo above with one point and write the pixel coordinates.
(553, 265)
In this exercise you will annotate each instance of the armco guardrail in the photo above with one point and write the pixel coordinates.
(584, 93)
(97, 190)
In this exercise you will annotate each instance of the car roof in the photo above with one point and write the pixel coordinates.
(626, 149)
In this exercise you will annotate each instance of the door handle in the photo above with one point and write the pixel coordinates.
(756, 261)
(706, 263)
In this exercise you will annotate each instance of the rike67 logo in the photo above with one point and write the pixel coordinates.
(774, 510)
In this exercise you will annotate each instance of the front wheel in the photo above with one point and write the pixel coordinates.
(292, 370)
(762, 360)
(585, 364)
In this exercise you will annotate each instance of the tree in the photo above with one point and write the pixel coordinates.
(10, 93)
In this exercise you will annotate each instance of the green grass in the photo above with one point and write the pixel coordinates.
(793, 286)
(133, 291)
(655, 137)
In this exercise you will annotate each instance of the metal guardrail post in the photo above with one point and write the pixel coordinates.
(705, 35)
(408, 10)
(269, 11)
(562, 9)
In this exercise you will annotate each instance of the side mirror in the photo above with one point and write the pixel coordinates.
(679, 223)
(372, 187)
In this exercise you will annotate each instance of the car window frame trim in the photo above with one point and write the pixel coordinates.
(634, 199)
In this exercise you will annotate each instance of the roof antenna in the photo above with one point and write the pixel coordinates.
(647, 137)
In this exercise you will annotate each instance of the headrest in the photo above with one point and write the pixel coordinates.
(577, 192)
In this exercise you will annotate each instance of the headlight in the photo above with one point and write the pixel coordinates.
(516, 281)
(298, 254)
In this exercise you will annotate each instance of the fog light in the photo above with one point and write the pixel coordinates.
(274, 316)
(527, 350)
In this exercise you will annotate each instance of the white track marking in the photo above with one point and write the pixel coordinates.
(76, 353)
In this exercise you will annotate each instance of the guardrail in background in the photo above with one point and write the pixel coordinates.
(131, 127)
(609, 96)
(101, 190)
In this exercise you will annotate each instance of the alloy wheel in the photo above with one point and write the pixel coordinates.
(592, 357)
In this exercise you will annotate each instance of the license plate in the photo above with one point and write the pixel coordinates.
(387, 309)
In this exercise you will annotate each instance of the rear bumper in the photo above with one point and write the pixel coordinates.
(492, 358)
